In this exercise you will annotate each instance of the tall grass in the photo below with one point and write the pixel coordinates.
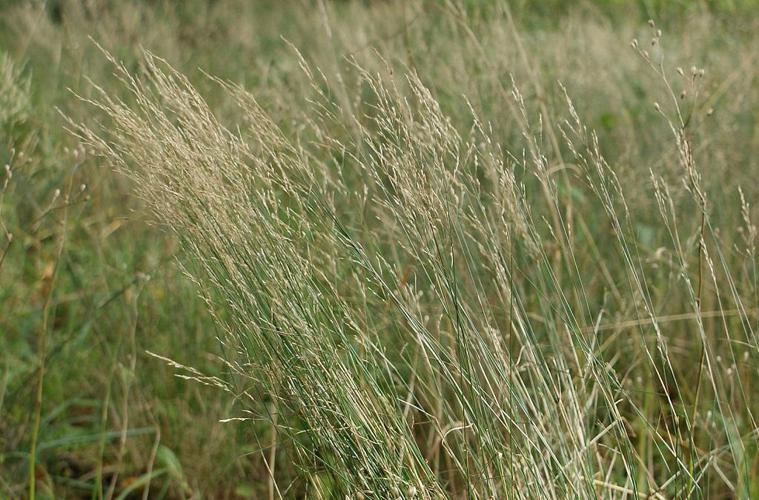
(429, 304)
(444, 249)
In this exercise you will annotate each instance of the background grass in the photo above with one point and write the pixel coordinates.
(89, 282)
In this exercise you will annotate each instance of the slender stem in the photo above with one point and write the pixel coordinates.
(42, 355)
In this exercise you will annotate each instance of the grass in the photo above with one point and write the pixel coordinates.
(378, 250)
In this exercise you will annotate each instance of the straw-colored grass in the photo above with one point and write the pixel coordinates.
(436, 271)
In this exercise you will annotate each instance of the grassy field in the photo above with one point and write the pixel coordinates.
(379, 249)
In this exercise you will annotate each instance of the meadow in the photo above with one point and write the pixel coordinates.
(379, 249)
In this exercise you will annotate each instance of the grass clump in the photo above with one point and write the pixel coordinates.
(413, 300)
(432, 270)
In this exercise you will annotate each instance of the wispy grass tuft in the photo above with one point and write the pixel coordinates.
(421, 309)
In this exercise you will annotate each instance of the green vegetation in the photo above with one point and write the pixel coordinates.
(423, 249)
